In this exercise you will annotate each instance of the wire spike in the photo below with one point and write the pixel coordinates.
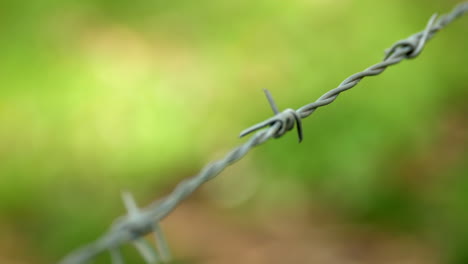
(130, 204)
(425, 36)
(271, 101)
(146, 251)
(287, 118)
(161, 243)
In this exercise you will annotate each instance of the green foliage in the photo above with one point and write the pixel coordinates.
(97, 96)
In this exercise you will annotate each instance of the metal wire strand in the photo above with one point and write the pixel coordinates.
(140, 222)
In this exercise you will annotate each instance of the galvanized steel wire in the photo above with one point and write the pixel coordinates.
(138, 223)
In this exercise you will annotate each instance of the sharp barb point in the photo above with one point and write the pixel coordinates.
(146, 251)
(273, 105)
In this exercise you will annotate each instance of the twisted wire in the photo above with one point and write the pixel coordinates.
(140, 222)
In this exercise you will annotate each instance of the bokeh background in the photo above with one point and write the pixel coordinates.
(102, 96)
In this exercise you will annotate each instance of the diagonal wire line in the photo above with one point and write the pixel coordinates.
(140, 222)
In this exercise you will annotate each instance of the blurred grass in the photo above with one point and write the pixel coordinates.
(99, 96)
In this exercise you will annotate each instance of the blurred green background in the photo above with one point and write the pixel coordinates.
(102, 96)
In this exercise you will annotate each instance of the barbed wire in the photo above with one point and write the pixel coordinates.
(138, 223)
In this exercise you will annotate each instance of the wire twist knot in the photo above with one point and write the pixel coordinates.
(135, 223)
(415, 43)
(286, 120)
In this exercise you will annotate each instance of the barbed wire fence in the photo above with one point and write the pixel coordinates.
(140, 222)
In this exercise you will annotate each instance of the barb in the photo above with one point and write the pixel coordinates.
(415, 43)
(286, 120)
(140, 222)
